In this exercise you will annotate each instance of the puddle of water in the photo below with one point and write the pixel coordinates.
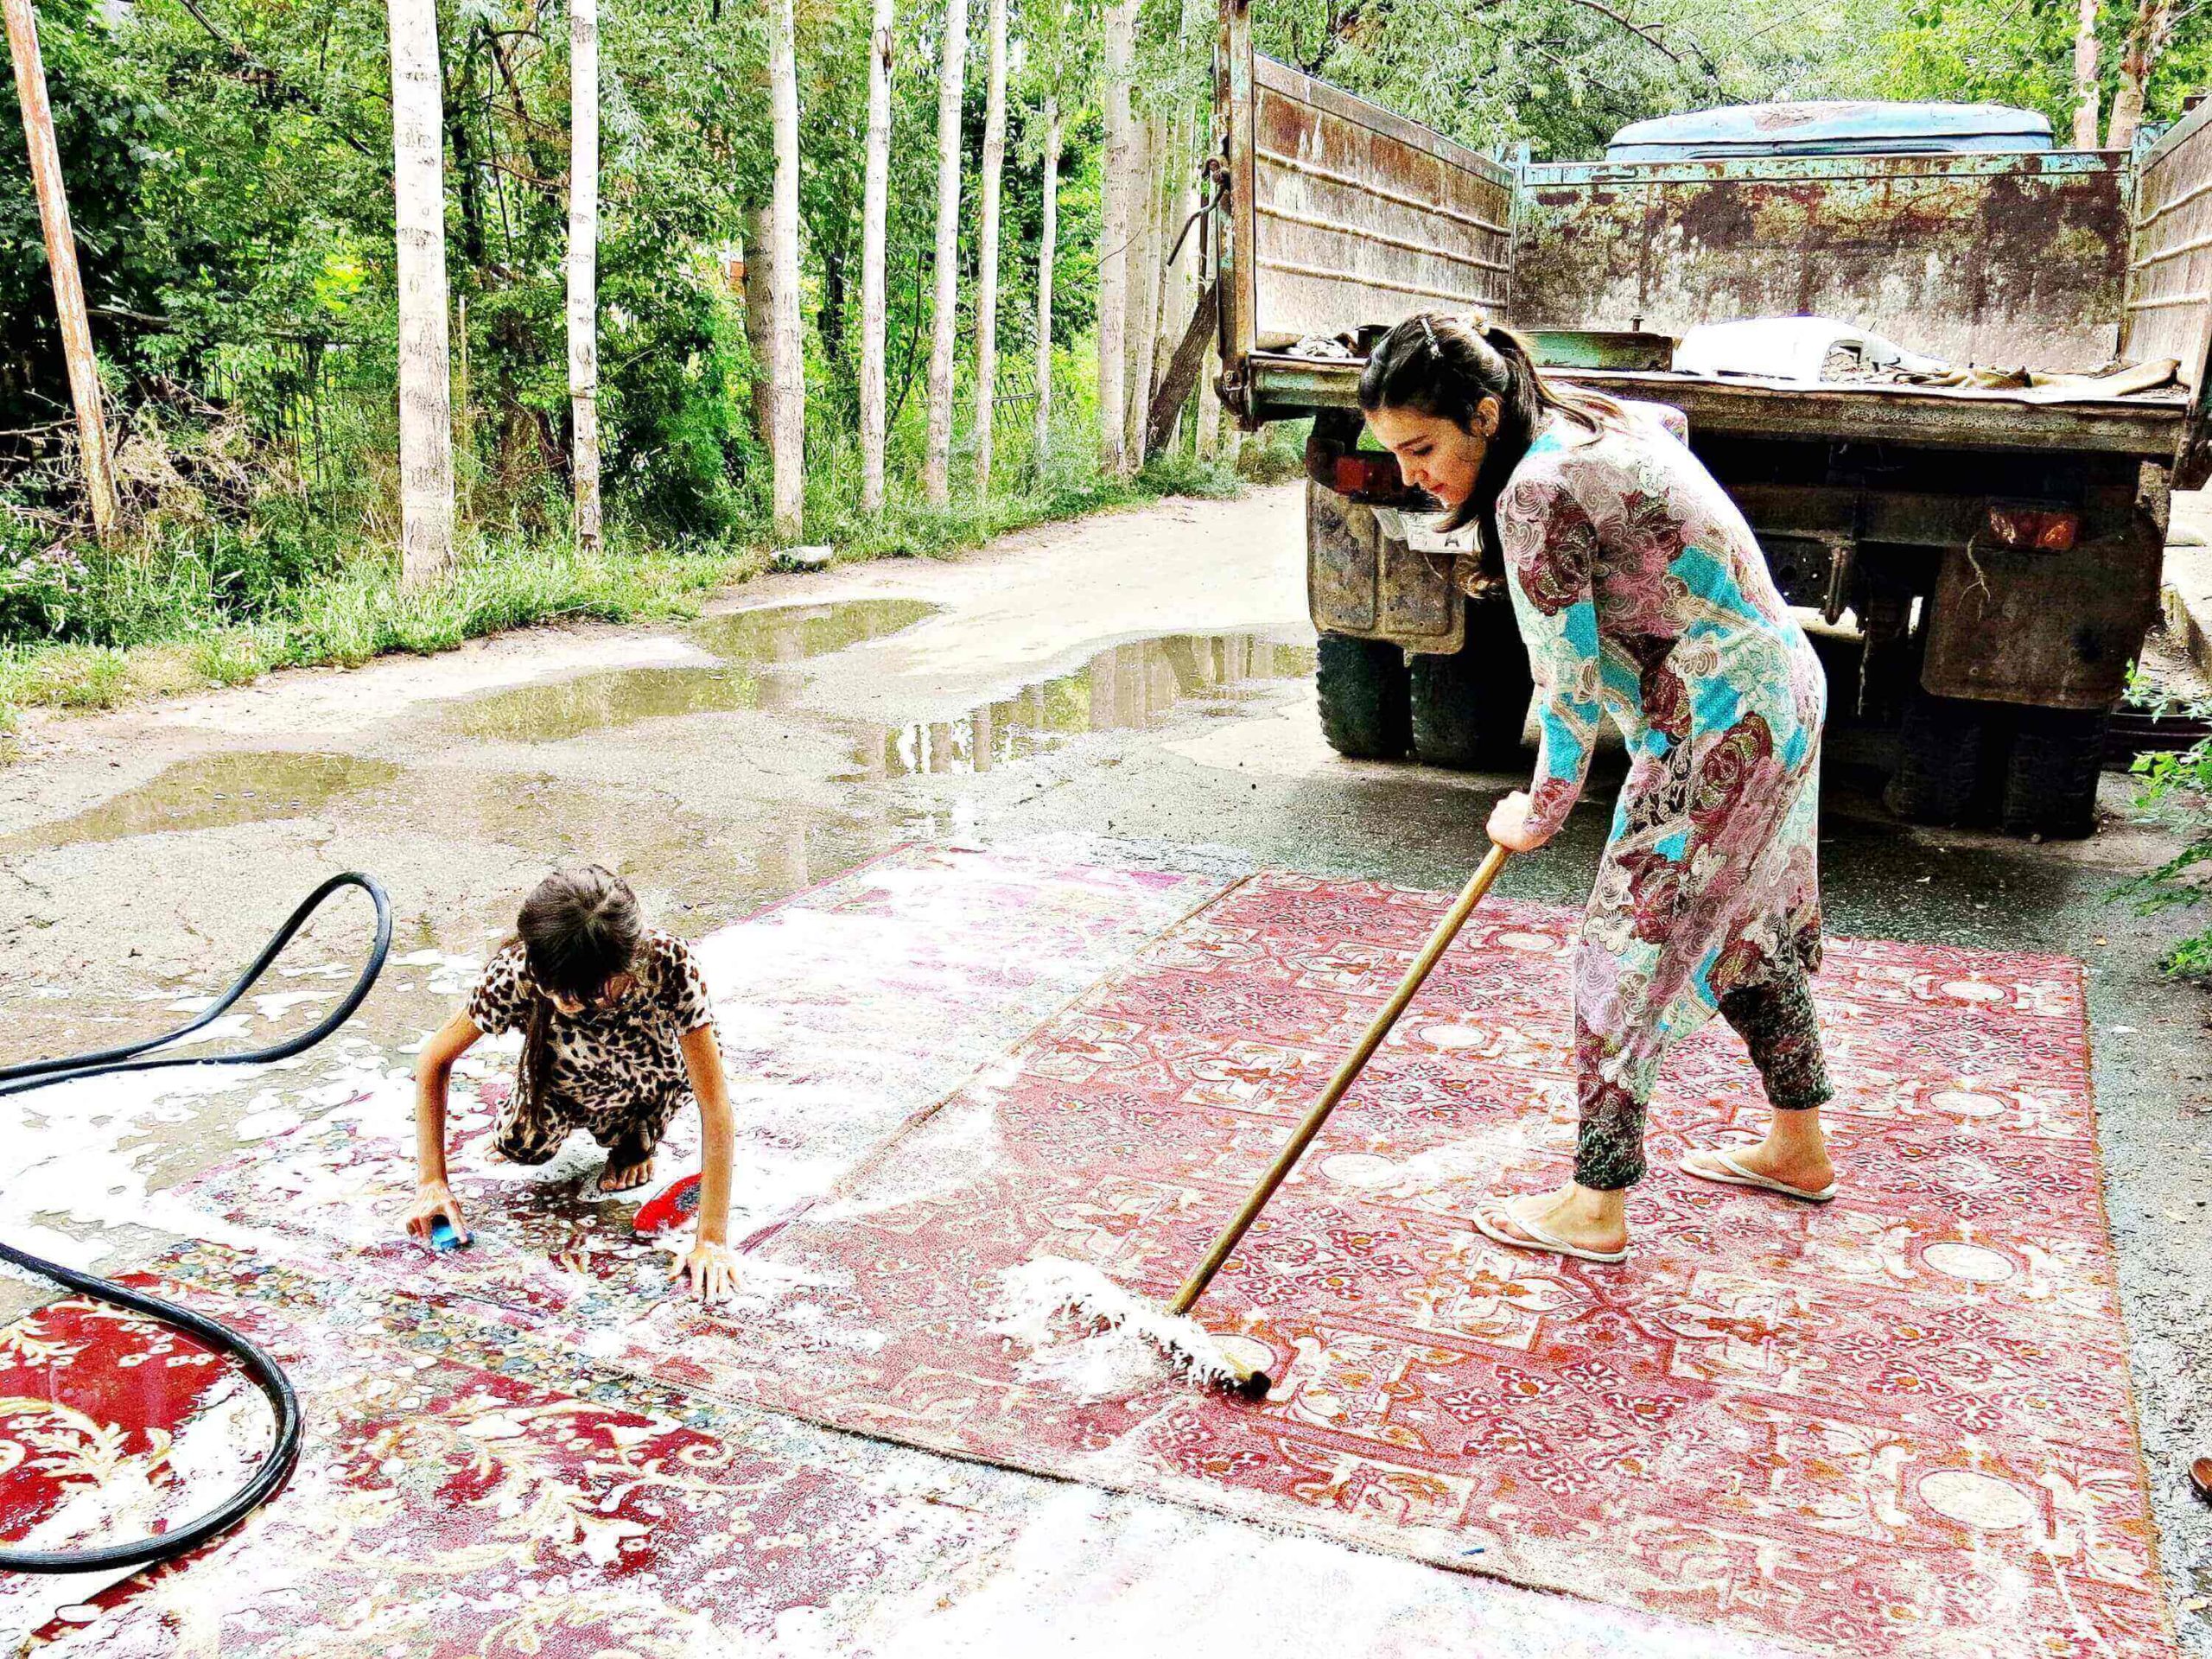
(1128, 686)
(751, 645)
(621, 696)
(791, 633)
(212, 791)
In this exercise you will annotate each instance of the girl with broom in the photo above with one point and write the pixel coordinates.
(1642, 596)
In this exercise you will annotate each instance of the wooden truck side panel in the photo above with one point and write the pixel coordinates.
(2169, 302)
(1992, 258)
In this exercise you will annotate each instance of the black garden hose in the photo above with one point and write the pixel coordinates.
(277, 1466)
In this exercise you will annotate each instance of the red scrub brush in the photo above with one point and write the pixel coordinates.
(673, 1206)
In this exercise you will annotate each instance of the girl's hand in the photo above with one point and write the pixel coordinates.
(712, 1269)
(434, 1200)
(1509, 824)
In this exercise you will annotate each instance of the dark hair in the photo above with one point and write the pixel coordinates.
(578, 929)
(1443, 364)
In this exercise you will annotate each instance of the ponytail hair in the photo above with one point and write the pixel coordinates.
(1443, 364)
(578, 929)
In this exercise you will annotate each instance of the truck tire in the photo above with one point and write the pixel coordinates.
(1363, 689)
(1943, 752)
(2050, 782)
(1469, 710)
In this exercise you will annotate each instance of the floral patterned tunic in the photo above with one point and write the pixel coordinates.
(1643, 596)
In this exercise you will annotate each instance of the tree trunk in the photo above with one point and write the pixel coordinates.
(875, 210)
(2085, 76)
(468, 187)
(830, 316)
(1116, 198)
(1144, 288)
(787, 417)
(2146, 39)
(987, 262)
(425, 367)
(1209, 434)
(759, 334)
(937, 462)
(1182, 295)
(1041, 443)
(61, 262)
(583, 266)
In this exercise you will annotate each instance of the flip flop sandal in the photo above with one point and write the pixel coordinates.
(1538, 1239)
(1738, 1176)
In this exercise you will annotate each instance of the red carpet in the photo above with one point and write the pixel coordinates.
(1897, 1425)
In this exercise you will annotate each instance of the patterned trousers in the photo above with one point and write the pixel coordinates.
(1775, 1020)
(630, 1130)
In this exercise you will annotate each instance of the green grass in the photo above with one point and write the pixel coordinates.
(164, 623)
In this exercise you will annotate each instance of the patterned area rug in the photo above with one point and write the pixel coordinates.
(1896, 1425)
(841, 1013)
(462, 1492)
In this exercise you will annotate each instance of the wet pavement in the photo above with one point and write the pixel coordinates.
(1142, 678)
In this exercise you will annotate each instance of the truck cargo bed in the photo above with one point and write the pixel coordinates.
(2147, 424)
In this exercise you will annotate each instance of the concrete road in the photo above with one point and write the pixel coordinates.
(146, 853)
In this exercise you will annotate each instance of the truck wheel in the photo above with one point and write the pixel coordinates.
(1363, 690)
(1469, 709)
(2050, 783)
(1941, 762)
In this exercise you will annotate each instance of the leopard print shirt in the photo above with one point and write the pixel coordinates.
(606, 1061)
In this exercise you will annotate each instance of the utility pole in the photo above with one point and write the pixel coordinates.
(61, 257)
(583, 267)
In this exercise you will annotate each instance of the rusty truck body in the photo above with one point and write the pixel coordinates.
(1995, 651)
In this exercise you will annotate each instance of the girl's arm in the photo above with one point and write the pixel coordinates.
(708, 1262)
(433, 1074)
(1550, 546)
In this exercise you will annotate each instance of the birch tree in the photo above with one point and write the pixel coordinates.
(583, 267)
(875, 211)
(2085, 76)
(936, 462)
(1047, 247)
(787, 430)
(2146, 39)
(1117, 198)
(1143, 335)
(425, 367)
(987, 262)
(760, 312)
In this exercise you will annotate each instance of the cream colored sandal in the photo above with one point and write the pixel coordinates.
(1538, 1239)
(1738, 1176)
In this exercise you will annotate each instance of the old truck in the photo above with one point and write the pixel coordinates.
(1988, 561)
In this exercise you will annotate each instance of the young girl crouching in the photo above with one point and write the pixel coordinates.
(617, 1038)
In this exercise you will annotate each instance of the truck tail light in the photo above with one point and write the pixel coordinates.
(1366, 473)
(2033, 527)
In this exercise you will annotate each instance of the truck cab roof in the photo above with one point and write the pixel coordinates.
(1830, 128)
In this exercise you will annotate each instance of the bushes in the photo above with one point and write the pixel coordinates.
(2178, 785)
(2176, 790)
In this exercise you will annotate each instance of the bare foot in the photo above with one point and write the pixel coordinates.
(627, 1176)
(1579, 1216)
(1794, 1163)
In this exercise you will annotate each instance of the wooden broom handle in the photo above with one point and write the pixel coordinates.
(1354, 1063)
